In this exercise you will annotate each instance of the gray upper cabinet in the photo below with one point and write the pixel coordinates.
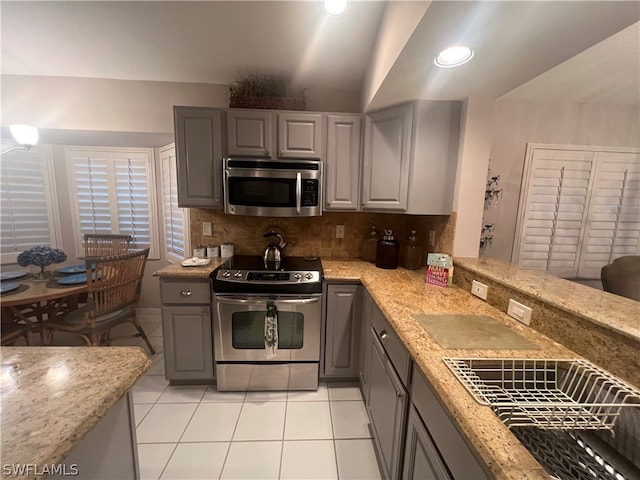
(342, 162)
(273, 134)
(249, 133)
(387, 152)
(342, 339)
(410, 158)
(199, 151)
(300, 135)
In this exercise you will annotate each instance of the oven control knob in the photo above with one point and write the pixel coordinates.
(237, 274)
(297, 275)
(309, 276)
(226, 274)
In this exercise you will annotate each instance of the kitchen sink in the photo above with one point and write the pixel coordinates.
(577, 420)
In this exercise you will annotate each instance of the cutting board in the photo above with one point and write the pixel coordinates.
(473, 332)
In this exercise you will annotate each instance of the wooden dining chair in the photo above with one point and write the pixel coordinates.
(105, 244)
(11, 329)
(113, 291)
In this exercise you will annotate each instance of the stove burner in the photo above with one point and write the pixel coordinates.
(249, 274)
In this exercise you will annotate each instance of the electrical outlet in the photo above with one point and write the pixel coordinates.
(432, 237)
(520, 312)
(207, 229)
(479, 289)
(339, 231)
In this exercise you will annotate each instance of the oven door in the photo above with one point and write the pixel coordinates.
(240, 328)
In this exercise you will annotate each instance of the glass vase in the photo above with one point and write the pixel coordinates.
(42, 274)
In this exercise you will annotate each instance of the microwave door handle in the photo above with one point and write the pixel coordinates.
(225, 187)
(298, 192)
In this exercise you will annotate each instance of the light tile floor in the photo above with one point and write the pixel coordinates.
(196, 432)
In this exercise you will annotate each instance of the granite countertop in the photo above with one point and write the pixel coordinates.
(610, 311)
(51, 397)
(401, 294)
(178, 271)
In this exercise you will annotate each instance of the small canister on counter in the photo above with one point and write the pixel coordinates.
(199, 251)
(226, 250)
(387, 251)
(213, 251)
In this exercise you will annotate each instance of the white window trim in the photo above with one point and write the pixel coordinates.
(154, 253)
(170, 256)
(51, 194)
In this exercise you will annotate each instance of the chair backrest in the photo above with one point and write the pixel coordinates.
(105, 244)
(622, 277)
(115, 281)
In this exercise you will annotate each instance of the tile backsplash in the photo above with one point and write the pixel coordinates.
(315, 236)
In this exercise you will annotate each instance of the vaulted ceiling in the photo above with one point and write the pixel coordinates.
(574, 50)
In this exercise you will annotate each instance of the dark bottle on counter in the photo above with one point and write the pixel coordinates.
(387, 251)
(411, 254)
(369, 245)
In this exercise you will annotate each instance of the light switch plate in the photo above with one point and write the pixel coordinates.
(207, 229)
(339, 231)
(479, 289)
(520, 312)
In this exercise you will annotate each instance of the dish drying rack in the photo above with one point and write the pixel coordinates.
(545, 393)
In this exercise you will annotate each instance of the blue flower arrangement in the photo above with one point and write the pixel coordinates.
(41, 256)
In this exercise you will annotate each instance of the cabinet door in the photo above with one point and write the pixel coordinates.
(387, 153)
(342, 162)
(300, 135)
(421, 459)
(249, 133)
(199, 155)
(188, 344)
(387, 404)
(342, 341)
(365, 343)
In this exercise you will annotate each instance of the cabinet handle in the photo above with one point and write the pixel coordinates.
(185, 293)
(383, 335)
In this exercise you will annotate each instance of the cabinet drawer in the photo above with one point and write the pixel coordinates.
(392, 344)
(185, 292)
(455, 451)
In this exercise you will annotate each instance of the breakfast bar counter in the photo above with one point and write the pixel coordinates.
(53, 397)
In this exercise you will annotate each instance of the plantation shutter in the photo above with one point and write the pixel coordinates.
(554, 209)
(112, 192)
(175, 218)
(613, 225)
(27, 202)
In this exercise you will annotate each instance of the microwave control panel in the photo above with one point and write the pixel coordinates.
(309, 192)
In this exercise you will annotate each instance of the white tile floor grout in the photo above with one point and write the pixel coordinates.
(195, 432)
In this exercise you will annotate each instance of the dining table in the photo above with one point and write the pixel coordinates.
(35, 301)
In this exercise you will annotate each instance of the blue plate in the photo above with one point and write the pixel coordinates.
(73, 269)
(7, 287)
(11, 275)
(73, 279)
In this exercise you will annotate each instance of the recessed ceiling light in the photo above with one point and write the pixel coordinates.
(453, 56)
(335, 7)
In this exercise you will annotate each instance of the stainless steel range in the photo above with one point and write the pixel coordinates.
(267, 324)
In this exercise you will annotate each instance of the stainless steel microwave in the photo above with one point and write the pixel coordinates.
(273, 188)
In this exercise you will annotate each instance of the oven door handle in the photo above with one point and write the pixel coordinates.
(256, 301)
(298, 192)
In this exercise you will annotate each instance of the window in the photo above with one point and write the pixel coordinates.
(176, 220)
(112, 191)
(28, 202)
(579, 209)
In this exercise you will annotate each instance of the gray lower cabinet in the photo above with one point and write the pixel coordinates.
(199, 151)
(187, 329)
(387, 401)
(365, 343)
(342, 327)
(434, 445)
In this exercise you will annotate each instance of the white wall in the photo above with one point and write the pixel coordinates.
(518, 122)
(476, 132)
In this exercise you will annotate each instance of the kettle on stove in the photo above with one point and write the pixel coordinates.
(273, 254)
